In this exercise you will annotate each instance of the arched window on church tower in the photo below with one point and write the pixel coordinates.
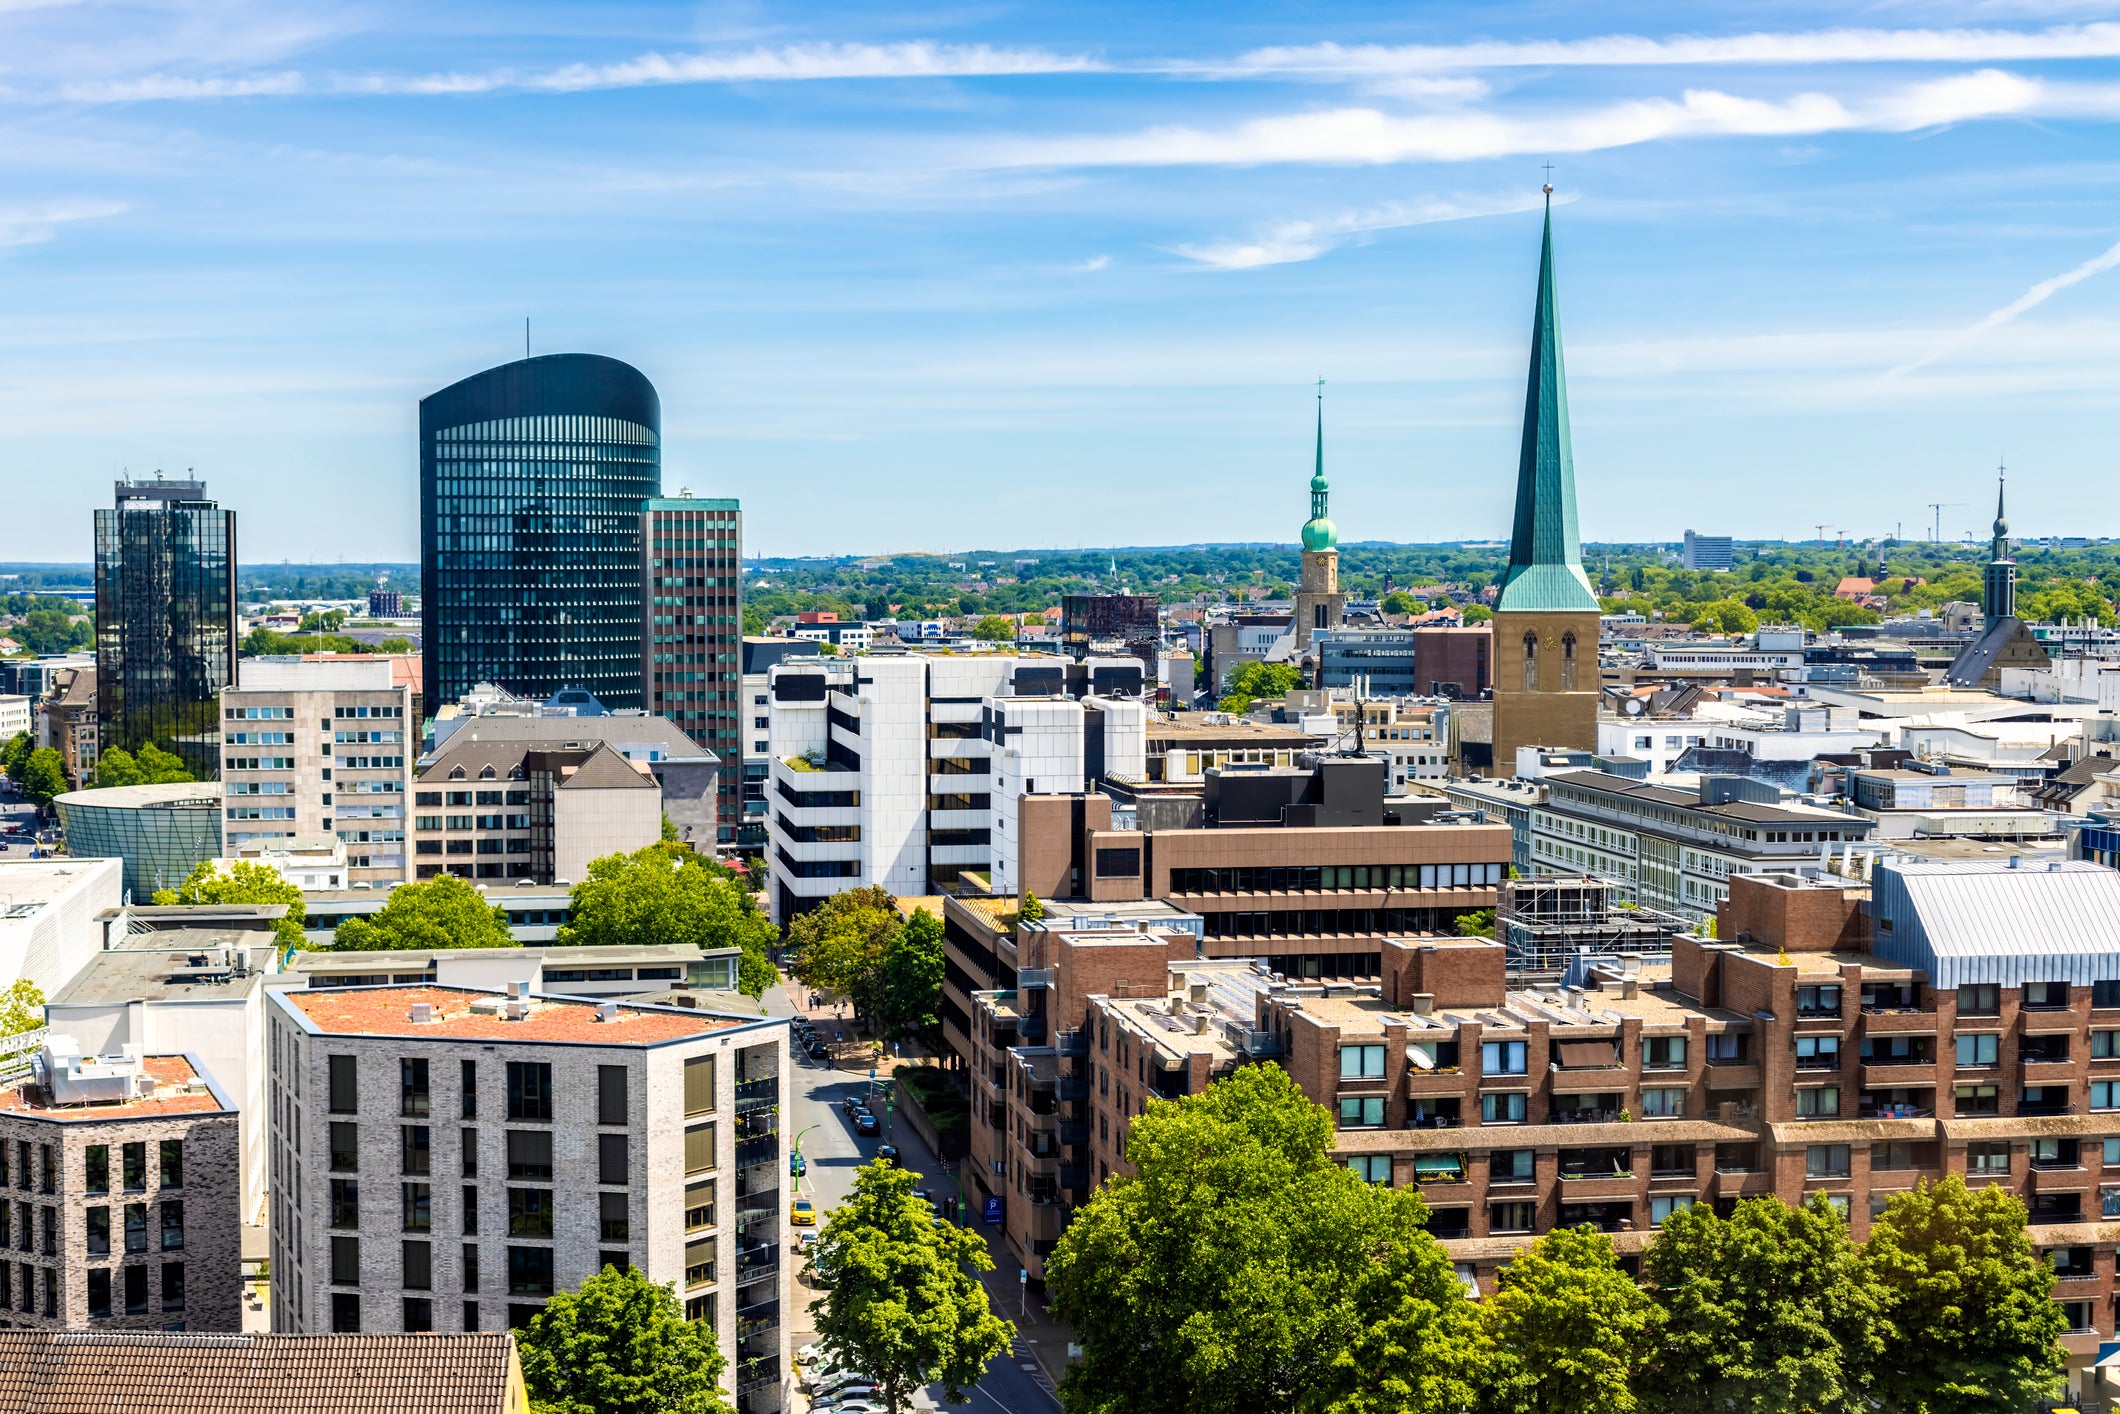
(1531, 662)
(1318, 616)
(1567, 662)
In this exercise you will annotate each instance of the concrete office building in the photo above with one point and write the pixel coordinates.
(123, 1214)
(533, 476)
(535, 911)
(312, 749)
(34, 677)
(160, 832)
(1109, 625)
(690, 668)
(606, 972)
(447, 1159)
(165, 619)
(494, 809)
(1706, 552)
(48, 912)
(759, 655)
(1380, 661)
(67, 722)
(17, 715)
(196, 991)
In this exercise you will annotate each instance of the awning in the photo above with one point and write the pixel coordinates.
(1575, 1054)
(1438, 1166)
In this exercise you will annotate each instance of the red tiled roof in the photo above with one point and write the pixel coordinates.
(54, 1372)
(168, 1071)
(387, 1011)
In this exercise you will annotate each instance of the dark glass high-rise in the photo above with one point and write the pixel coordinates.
(532, 480)
(165, 620)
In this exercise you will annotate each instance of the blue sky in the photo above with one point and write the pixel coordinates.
(999, 276)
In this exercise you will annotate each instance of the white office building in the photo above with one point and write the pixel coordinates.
(48, 910)
(1707, 552)
(1054, 746)
(882, 767)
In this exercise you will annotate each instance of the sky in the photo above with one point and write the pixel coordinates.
(998, 276)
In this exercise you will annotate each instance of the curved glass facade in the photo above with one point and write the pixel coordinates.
(161, 832)
(532, 481)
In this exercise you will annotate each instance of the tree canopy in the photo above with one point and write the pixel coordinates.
(1242, 1268)
(21, 1007)
(1254, 679)
(909, 979)
(620, 1344)
(840, 945)
(244, 881)
(152, 767)
(442, 912)
(43, 776)
(1566, 1330)
(666, 895)
(904, 1306)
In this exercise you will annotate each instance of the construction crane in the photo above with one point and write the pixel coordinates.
(1937, 508)
(1821, 535)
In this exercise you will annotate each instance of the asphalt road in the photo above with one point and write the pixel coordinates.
(834, 1151)
(15, 812)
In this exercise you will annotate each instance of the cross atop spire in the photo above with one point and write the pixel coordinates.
(1545, 553)
(1319, 532)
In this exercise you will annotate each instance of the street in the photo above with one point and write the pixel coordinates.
(15, 814)
(828, 1142)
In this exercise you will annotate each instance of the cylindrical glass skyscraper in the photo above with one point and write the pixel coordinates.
(532, 480)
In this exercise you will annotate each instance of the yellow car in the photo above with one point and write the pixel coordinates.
(802, 1213)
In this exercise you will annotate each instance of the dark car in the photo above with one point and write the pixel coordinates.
(850, 1104)
(819, 1051)
(888, 1153)
(797, 1164)
(865, 1123)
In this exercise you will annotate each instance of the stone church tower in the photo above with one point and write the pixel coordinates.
(1546, 618)
(1319, 602)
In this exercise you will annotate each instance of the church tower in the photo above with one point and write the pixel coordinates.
(1999, 599)
(1546, 617)
(1319, 602)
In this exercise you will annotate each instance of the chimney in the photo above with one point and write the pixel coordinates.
(1198, 991)
(607, 1011)
(1423, 1003)
(1630, 987)
(2016, 861)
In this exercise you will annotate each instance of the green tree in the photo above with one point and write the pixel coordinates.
(620, 1344)
(152, 767)
(993, 628)
(1030, 910)
(1770, 1310)
(666, 895)
(396, 643)
(1254, 679)
(1725, 616)
(21, 1008)
(43, 776)
(1398, 601)
(246, 881)
(1566, 1330)
(1477, 924)
(1477, 613)
(1240, 1267)
(1974, 1326)
(14, 757)
(904, 1306)
(755, 621)
(839, 946)
(909, 987)
(442, 912)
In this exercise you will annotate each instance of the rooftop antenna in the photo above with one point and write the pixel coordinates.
(526, 336)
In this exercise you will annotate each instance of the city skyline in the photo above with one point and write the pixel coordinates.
(880, 262)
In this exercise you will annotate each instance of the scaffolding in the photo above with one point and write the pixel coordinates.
(1549, 921)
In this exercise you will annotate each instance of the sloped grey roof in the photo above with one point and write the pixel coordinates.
(1967, 921)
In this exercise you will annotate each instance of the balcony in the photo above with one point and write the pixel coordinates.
(2048, 1209)
(756, 1374)
(1031, 1029)
(1072, 1088)
(763, 1149)
(1073, 1177)
(1074, 1044)
(1028, 978)
(757, 1094)
(1605, 1217)
(1898, 1021)
(1073, 1132)
(755, 1259)
(2032, 1108)
(757, 1319)
(1262, 1045)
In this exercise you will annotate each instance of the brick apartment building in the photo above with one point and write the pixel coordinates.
(120, 1196)
(447, 1158)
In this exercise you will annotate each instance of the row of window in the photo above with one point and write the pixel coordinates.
(516, 796)
(1318, 878)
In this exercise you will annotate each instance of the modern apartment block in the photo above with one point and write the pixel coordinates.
(119, 1204)
(691, 640)
(165, 619)
(883, 766)
(314, 749)
(448, 1158)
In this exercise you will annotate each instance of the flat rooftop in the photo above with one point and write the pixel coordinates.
(1214, 726)
(422, 959)
(39, 881)
(206, 940)
(387, 1011)
(179, 1089)
(201, 975)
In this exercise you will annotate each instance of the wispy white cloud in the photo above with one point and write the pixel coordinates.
(33, 223)
(1829, 46)
(1289, 241)
(1370, 135)
(2031, 299)
(1094, 263)
(155, 88)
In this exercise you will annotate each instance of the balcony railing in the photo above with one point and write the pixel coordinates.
(2045, 1107)
(1031, 1029)
(1074, 1132)
(1895, 1112)
(1261, 1044)
(757, 1094)
(1569, 1176)
(1029, 977)
(1071, 1087)
(759, 1257)
(757, 1151)
(1071, 1043)
(758, 1373)
(1601, 1116)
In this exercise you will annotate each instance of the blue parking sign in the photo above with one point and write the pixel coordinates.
(993, 1210)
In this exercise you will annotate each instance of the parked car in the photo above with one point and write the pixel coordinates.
(802, 1213)
(865, 1123)
(888, 1153)
(797, 1164)
(820, 1051)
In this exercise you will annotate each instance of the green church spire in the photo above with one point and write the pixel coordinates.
(1545, 571)
(1319, 533)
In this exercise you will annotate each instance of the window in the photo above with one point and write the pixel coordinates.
(699, 1086)
(613, 1223)
(1661, 1208)
(2105, 995)
(1501, 1109)
(345, 1313)
(530, 1271)
(529, 1212)
(611, 1095)
(699, 1148)
(1818, 1053)
(1818, 1001)
(415, 1153)
(530, 1091)
(2105, 1045)
(98, 1232)
(1361, 1111)
(418, 1258)
(1672, 1161)
(530, 1153)
(2076, 1315)
(416, 1207)
(1499, 1057)
(699, 1206)
(1826, 1161)
(135, 1228)
(1371, 1168)
(467, 1151)
(419, 1311)
(471, 1266)
(172, 1225)
(98, 1164)
(1980, 999)
(1361, 1062)
(2046, 994)
(1976, 1099)
(133, 1158)
(1663, 1104)
(1567, 662)
(699, 1261)
(611, 1158)
(1510, 1166)
(1979, 1050)
(99, 1291)
(345, 1202)
(1512, 1217)
(1530, 662)
(343, 1087)
(1822, 1102)
(1663, 1053)
(470, 1208)
(2105, 1094)
(467, 1085)
(172, 1288)
(412, 1088)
